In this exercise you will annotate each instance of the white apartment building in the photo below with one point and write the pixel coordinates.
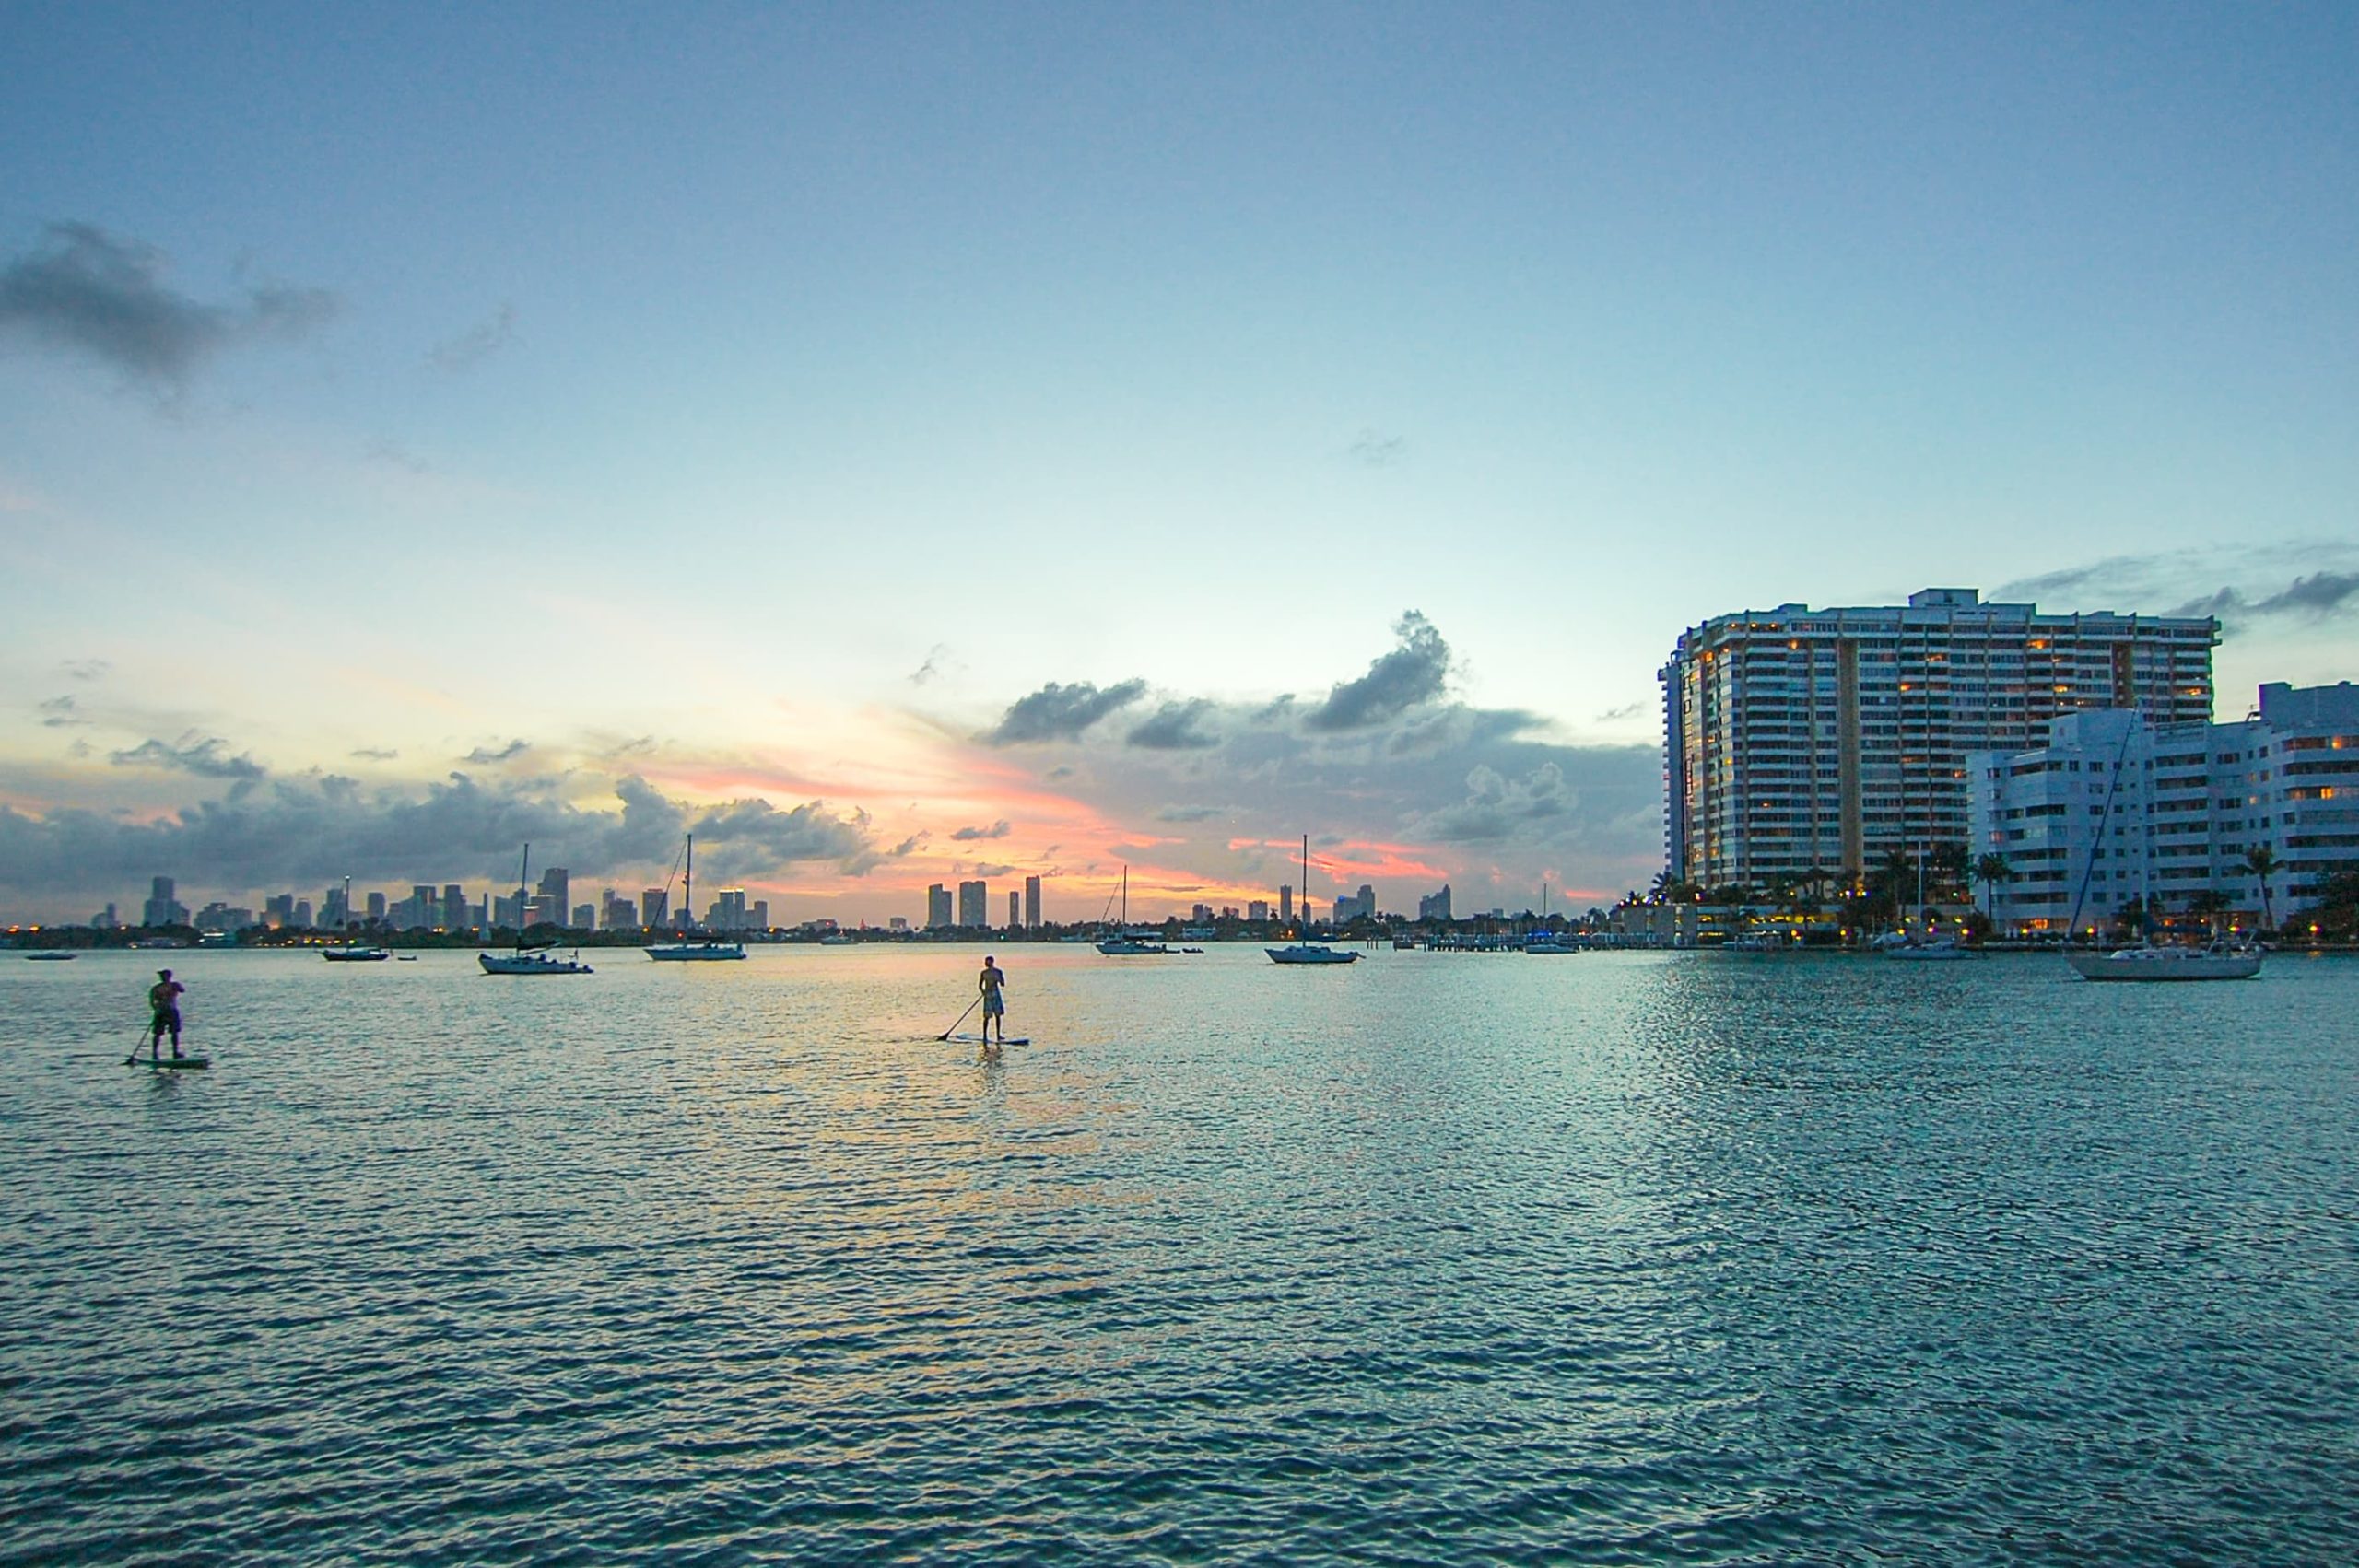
(1798, 738)
(2114, 809)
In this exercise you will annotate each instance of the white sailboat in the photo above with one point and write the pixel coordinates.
(528, 960)
(1301, 950)
(1124, 944)
(705, 950)
(352, 950)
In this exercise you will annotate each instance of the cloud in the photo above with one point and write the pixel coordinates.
(756, 836)
(993, 869)
(86, 669)
(907, 846)
(484, 756)
(1624, 713)
(59, 713)
(968, 834)
(1370, 450)
(1413, 672)
(2310, 598)
(1173, 728)
(89, 293)
(935, 658)
(205, 758)
(478, 344)
(1193, 813)
(374, 754)
(1060, 712)
(1496, 806)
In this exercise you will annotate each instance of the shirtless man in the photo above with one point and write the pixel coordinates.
(992, 983)
(164, 1007)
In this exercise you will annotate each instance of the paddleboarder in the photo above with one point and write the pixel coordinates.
(164, 1007)
(992, 983)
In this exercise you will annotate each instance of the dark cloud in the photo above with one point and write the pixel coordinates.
(1173, 728)
(907, 846)
(753, 835)
(291, 834)
(933, 665)
(1498, 807)
(86, 292)
(968, 834)
(374, 754)
(86, 669)
(207, 758)
(1060, 712)
(59, 713)
(1193, 813)
(1413, 672)
(1370, 450)
(484, 756)
(478, 344)
(1623, 714)
(2312, 598)
(991, 869)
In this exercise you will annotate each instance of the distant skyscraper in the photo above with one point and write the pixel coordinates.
(454, 906)
(1032, 903)
(1801, 740)
(1286, 903)
(974, 904)
(162, 908)
(654, 908)
(1015, 911)
(376, 905)
(1435, 906)
(584, 916)
(937, 907)
(1257, 910)
(557, 887)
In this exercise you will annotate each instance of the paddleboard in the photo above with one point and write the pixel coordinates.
(978, 1040)
(174, 1062)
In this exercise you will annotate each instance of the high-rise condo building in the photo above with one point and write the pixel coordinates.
(937, 907)
(1800, 741)
(1032, 903)
(1015, 910)
(974, 904)
(654, 908)
(1286, 903)
(162, 908)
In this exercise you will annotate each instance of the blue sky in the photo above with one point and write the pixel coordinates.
(757, 403)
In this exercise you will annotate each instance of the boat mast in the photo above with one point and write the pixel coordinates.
(688, 888)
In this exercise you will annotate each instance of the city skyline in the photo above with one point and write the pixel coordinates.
(937, 447)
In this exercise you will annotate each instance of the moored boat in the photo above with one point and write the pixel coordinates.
(2218, 961)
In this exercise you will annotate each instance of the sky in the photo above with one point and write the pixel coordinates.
(911, 444)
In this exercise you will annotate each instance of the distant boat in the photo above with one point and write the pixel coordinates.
(1932, 950)
(1303, 950)
(2217, 962)
(706, 949)
(353, 953)
(528, 960)
(49, 957)
(1125, 943)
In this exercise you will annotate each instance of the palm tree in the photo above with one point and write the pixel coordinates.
(2209, 905)
(2260, 859)
(1662, 884)
(1990, 870)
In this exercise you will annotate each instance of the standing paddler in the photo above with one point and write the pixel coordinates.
(164, 1013)
(992, 983)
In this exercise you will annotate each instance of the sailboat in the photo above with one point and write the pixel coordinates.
(1301, 951)
(705, 951)
(353, 951)
(528, 960)
(1122, 944)
(2220, 960)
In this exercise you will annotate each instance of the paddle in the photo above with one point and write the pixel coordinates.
(960, 1019)
(135, 1046)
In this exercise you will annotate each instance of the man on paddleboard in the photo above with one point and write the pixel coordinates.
(992, 983)
(164, 1005)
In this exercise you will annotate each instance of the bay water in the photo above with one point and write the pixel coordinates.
(1637, 1257)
